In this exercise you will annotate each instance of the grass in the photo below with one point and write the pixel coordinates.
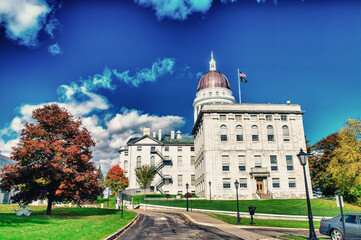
(294, 237)
(105, 201)
(64, 223)
(140, 198)
(265, 222)
(320, 207)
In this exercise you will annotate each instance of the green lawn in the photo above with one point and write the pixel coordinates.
(65, 223)
(265, 222)
(294, 237)
(320, 207)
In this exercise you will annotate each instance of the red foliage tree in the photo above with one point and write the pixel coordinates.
(115, 179)
(52, 160)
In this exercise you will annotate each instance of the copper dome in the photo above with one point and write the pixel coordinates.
(213, 79)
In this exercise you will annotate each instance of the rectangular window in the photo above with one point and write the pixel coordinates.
(241, 163)
(271, 138)
(289, 162)
(273, 159)
(152, 149)
(179, 149)
(253, 117)
(166, 148)
(179, 161)
(243, 183)
(192, 160)
(225, 163)
(192, 149)
(255, 138)
(292, 182)
(180, 180)
(224, 138)
(226, 183)
(139, 148)
(268, 117)
(151, 188)
(222, 117)
(166, 192)
(283, 117)
(126, 153)
(275, 182)
(238, 117)
(257, 161)
(180, 192)
(193, 179)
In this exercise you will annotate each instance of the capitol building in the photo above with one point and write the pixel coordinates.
(255, 144)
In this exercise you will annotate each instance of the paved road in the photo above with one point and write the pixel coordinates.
(156, 225)
(278, 232)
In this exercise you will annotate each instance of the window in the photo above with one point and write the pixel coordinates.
(180, 192)
(210, 93)
(243, 183)
(126, 153)
(223, 133)
(275, 182)
(166, 148)
(253, 117)
(241, 163)
(268, 117)
(273, 159)
(239, 133)
(180, 180)
(193, 179)
(139, 148)
(238, 117)
(179, 149)
(292, 182)
(254, 131)
(168, 180)
(166, 192)
(179, 161)
(286, 133)
(226, 183)
(225, 163)
(283, 117)
(151, 188)
(152, 149)
(192, 149)
(152, 161)
(193, 160)
(217, 93)
(125, 166)
(350, 219)
(270, 133)
(257, 161)
(289, 162)
(139, 162)
(222, 117)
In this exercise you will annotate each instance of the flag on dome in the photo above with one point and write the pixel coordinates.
(242, 77)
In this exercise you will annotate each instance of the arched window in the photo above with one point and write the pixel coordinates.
(239, 133)
(286, 133)
(223, 133)
(254, 131)
(139, 162)
(125, 166)
(270, 133)
(152, 161)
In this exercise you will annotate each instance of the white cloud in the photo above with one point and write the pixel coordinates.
(23, 19)
(54, 49)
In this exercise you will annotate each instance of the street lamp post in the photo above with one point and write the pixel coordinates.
(121, 195)
(210, 194)
(236, 184)
(187, 186)
(303, 157)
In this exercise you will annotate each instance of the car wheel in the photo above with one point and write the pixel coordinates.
(336, 234)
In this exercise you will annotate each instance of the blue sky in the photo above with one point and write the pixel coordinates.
(125, 65)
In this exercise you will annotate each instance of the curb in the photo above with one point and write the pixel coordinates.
(114, 235)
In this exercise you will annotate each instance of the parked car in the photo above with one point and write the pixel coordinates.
(333, 227)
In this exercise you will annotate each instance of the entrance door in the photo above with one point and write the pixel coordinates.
(259, 185)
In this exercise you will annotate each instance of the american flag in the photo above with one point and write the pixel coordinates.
(242, 77)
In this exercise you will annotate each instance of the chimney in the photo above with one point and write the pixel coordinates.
(288, 102)
(160, 134)
(179, 134)
(146, 131)
(172, 135)
(154, 135)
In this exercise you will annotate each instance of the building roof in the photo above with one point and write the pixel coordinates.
(4, 160)
(213, 79)
(183, 140)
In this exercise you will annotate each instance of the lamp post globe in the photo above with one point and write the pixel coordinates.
(236, 185)
(187, 186)
(303, 157)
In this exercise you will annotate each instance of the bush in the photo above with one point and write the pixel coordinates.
(188, 195)
(167, 196)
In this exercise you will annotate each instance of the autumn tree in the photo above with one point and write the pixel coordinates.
(345, 166)
(116, 180)
(52, 160)
(322, 153)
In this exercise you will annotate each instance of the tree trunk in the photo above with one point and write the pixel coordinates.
(50, 203)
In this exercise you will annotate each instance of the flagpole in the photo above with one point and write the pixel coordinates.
(239, 86)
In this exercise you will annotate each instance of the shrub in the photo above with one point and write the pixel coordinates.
(167, 196)
(188, 194)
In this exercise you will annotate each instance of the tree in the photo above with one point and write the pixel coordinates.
(145, 176)
(323, 152)
(115, 179)
(345, 165)
(100, 176)
(52, 160)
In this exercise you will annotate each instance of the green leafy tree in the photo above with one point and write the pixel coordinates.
(322, 153)
(52, 161)
(145, 176)
(116, 180)
(345, 165)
